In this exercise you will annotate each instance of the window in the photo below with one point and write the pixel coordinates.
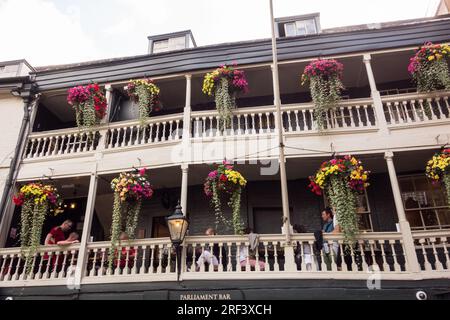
(169, 44)
(424, 203)
(363, 211)
(2, 68)
(300, 28)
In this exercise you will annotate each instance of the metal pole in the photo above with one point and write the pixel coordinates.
(282, 159)
(178, 253)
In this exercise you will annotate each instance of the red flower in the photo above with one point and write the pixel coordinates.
(223, 178)
(18, 201)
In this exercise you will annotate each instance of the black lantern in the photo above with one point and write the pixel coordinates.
(178, 226)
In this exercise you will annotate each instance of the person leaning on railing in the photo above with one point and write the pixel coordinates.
(56, 236)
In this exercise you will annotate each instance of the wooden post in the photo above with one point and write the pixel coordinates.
(405, 229)
(376, 97)
(83, 253)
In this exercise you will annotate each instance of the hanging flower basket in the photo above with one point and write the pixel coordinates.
(129, 191)
(429, 70)
(226, 183)
(89, 103)
(325, 84)
(438, 170)
(224, 84)
(36, 200)
(146, 95)
(342, 179)
(429, 67)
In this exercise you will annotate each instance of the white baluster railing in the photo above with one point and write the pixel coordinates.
(62, 142)
(414, 108)
(233, 255)
(432, 248)
(347, 115)
(244, 122)
(155, 130)
(109, 136)
(51, 263)
(149, 259)
(380, 252)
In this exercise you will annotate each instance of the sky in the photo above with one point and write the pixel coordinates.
(49, 32)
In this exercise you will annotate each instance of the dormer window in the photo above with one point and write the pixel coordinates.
(300, 28)
(171, 42)
(298, 25)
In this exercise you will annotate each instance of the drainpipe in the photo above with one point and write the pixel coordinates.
(27, 93)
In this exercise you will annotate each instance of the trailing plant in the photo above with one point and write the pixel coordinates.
(146, 95)
(89, 103)
(325, 84)
(224, 84)
(36, 200)
(129, 191)
(225, 182)
(429, 70)
(438, 170)
(342, 179)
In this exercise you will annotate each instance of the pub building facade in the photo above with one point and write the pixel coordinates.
(404, 219)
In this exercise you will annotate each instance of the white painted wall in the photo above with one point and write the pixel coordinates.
(11, 109)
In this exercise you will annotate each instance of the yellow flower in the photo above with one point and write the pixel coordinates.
(430, 58)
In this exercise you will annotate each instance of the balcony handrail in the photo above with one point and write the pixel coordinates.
(130, 243)
(342, 103)
(41, 249)
(339, 237)
(415, 96)
(232, 238)
(430, 234)
(246, 110)
(106, 126)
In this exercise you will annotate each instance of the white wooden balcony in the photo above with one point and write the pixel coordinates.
(380, 255)
(405, 111)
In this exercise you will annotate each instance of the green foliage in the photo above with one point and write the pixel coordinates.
(343, 200)
(85, 114)
(326, 93)
(432, 76)
(144, 102)
(125, 217)
(225, 103)
(234, 203)
(446, 181)
(32, 220)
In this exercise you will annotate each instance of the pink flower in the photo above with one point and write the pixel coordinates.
(213, 174)
(142, 171)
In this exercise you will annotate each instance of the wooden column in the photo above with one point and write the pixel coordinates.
(376, 97)
(83, 253)
(408, 242)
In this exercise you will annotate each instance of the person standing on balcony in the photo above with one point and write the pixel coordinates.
(330, 226)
